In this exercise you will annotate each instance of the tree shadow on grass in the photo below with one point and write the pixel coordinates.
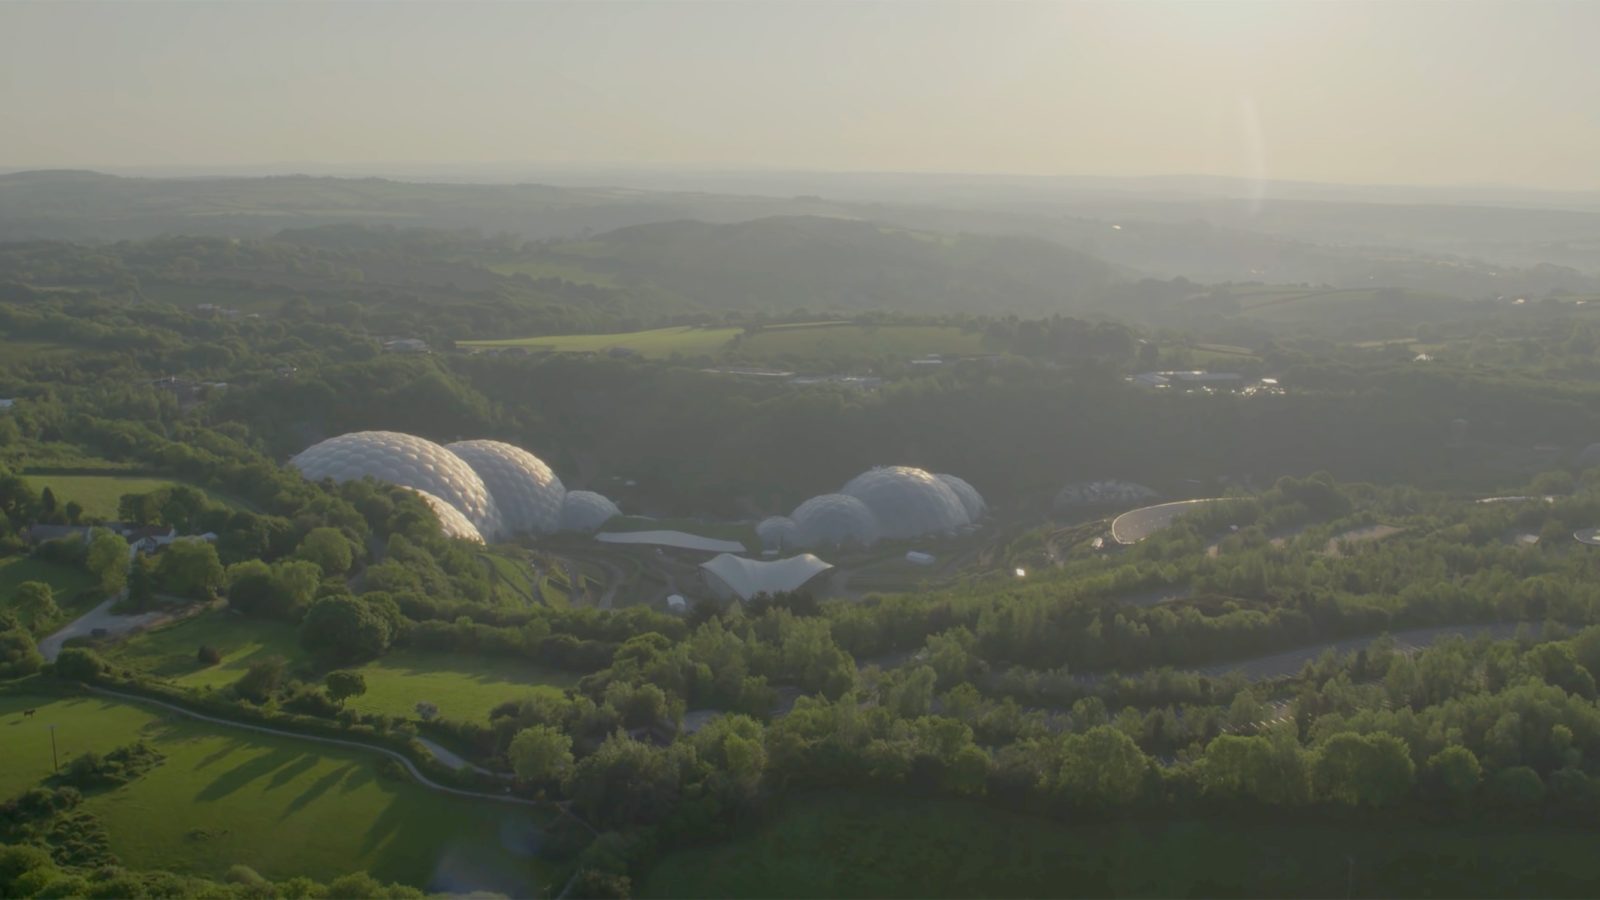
(317, 789)
(294, 770)
(246, 772)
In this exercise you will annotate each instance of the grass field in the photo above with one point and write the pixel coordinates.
(282, 806)
(860, 845)
(171, 652)
(514, 582)
(660, 342)
(462, 687)
(98, 494)
(825, 341)
(546, 268)
(67, 582)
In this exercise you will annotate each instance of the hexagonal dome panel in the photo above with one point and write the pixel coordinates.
(586, 511)
(832, 520)
(525, 490)
(908, 502)
(408, 461)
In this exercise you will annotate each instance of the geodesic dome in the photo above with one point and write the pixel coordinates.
(408, 461)
(908, 502)
(777, 532)
(451, 521)
(586, 511)
(971, 500)
(525, 490)
(830, 520)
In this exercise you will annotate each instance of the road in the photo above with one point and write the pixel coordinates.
(99, 617)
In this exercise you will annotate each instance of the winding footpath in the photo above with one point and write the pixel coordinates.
(410, 767)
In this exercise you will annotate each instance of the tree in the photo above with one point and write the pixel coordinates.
(107, 560)
(329, 549)
(1452, 775)
(142, 581)
(1364, 769)
(342, 685)
(261, 680)
(1101, 767)
(541, 754)
(625, 782)
(282, 590)
(426, 711)
(79, 664)
(35, 605)
(190, 568)
(344, 630)
(19, 655)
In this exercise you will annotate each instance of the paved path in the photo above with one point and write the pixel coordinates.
(99, 617)
(394, 755)
(455, 761)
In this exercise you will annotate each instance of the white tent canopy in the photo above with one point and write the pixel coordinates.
(733, 576)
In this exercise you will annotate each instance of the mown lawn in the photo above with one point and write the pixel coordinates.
(659, 342)
(861, 845)
(463, 687)
(282, 806)
(97, 494)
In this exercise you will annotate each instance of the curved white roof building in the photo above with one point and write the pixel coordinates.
(777, 532)
(451, 521)
(731, 576)
(908, 502)
(407, 461)
(970, 499)
(525, 490)
(586, 511)
(832, 520)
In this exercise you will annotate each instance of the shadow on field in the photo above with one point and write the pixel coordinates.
(317, 789)
(241, 775)
(292, 771)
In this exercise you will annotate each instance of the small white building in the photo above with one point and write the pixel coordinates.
(677, 604)
(919, 558)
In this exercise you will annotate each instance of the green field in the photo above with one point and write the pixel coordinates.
(660, 342)
(170, 652)
(462, 687)
(861, 845)
(827, 341)
(282, 806)
(67, 582)
(97, 494)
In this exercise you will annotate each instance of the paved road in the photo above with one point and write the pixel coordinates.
(455, 761)
(99, 617)
(394, 755)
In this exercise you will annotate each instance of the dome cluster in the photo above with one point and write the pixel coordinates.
(478, 489)
(886, 502)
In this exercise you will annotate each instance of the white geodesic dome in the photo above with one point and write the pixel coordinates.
(451, 521)
(832, 520)
(908, 502)
(586, 511)
(971, 500)
(525, 490)
(407, 461)
(777, 532)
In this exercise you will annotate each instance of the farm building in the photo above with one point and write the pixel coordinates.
(728, 576)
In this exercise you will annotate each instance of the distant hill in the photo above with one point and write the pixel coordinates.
(78, 205)
(819, 263)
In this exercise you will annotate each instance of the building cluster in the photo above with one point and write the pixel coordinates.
(146, 539)
(1199, 381)
(480, 490)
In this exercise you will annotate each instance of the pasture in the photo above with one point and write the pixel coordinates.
(283, 806)
(685, 340)
(71, 585)
(97, 494)
(865, 845)
(462, 687)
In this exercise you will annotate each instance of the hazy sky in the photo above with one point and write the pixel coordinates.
(1373, 92)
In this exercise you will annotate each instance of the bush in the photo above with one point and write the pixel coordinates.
(80, 664)
(208, 656)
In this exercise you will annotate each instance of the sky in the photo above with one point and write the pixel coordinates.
(1338, 91)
